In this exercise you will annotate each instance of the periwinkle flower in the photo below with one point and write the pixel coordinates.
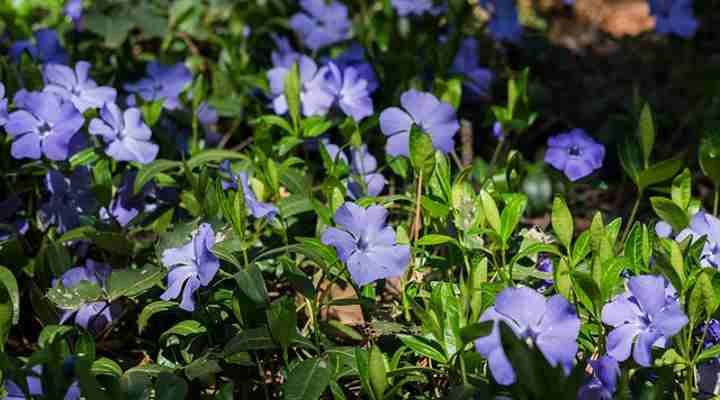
(314, 96)
(416, 7)
(69, 198)
(76, 86)
(96, 315)
(127, 205)
(33, 382)
(663, 229)
(550, 324)
(46, 48)
(476, 78)
(9, 216)
(74, 10)
(350, 91)
(575, 153)
(603, 382)
(256, 208)
(366, 244)
(648, 314)
(126, 135)
(284, 54)
(674, 17)
(3, 106)
(709, 371)
(207, 115)
(497, 131)
(162, 82)
(704, 224)
(333, 151)
(44, 124)
(363, 166)
(504, 23)
(423, 109)
(321, 23)
(191, 266)
(354, 57)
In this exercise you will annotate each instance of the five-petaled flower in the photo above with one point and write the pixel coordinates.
(191, 266)
(575, 153)
(46, 48)
(354, 57)
(423, 109)
(162, 82)
(674, 16)
(648, 314)
(350, 91)
(550, 324)
(45, 124)
(256, 208)
(69, 198)
(602, 384)
(321, 23)
(476, 79)
(126, 135)
(314, 96)
(366, 244)
(76, 86)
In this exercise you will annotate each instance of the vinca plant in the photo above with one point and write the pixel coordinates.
(366, 199)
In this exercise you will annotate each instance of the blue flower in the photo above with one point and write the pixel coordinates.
(550, 324)
(162, 82)
(575, 153)
(366, 244)
(707, 225)
(126, 134)
(127, 205)
(76, 86)
(284, 54)
(363, 167)
(93, 316)
(504, 23)
(350, 91)
(416, 7)
(46, 48)
(354, 57)
(649, 311)
(74, 10)
(3, 106)
(674, 16)
(69, 198)
(191, 266)
(476, 79)
(256, 208)
(603, 382)
(321, 23)
(314, 95)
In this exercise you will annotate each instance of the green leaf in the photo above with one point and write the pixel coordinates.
(252, 284)
(308, 380)
(149, 171)
(248, 340)
(709, 156)
(707, 354)
(470, 333)
(152, 309)
(563, 282)
(562, 222)
(113, 28)
(213, 155)
(667, 210)
(83, 157)
(702, 303)
(646, 132)
(377, 372)
(187, 327)
(106, 366)
(170, 387)
(282, 320)
(585, 283)
(434, 209)
(151, 111)
(294, 204)
(274, 120)
(681, 190)
(8, 280)
(450, 91)
(89, 385)
(511, 216)
(74, 297)
(133, 282)
(315, 126)
(422, 153)
(434, 239)
(490, 210)
(292, 95)
(424, 347)
(630, 156)
(660, 172)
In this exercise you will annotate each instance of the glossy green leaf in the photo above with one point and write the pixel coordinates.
(421, 151)
(424, 347)
(668, 211)
(149, 171)
(646, 132)
(152, 309)
(307, 380)
(292, 95)
(660, 172)
(562, 222)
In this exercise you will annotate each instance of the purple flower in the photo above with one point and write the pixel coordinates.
(44, 124)
(127, 205)
(321, 23)
(663, 229)
(476, 78)
(350, 90)
(9, 216)
(575, 153)
(504, 23)
(126, 135)
(313, 94)
(354, 57)
(69, 198)
(366, 244)
(363, 167)
(191, 266)
(550, 324)
(674, 16)
(603, 382)
(94, 316)
(284, 55)
(497, 131)
(208, 117)
(46, 49)
(257, 209)
(416, 7)
(424, 110)
(648, 311)
(3, 106)
(74, 10)
(76, 86)
(333, 150)
(163, 82)
(34, 386)
(704, 224)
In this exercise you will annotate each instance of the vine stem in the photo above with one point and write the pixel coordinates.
(633, 214)
(716, 201)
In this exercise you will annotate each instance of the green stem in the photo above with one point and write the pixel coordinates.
(633, 214)
(716, 201)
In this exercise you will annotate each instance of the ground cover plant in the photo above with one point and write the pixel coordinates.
(371, 199)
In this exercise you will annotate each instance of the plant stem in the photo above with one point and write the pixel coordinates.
(632, 216)
(716, 201)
